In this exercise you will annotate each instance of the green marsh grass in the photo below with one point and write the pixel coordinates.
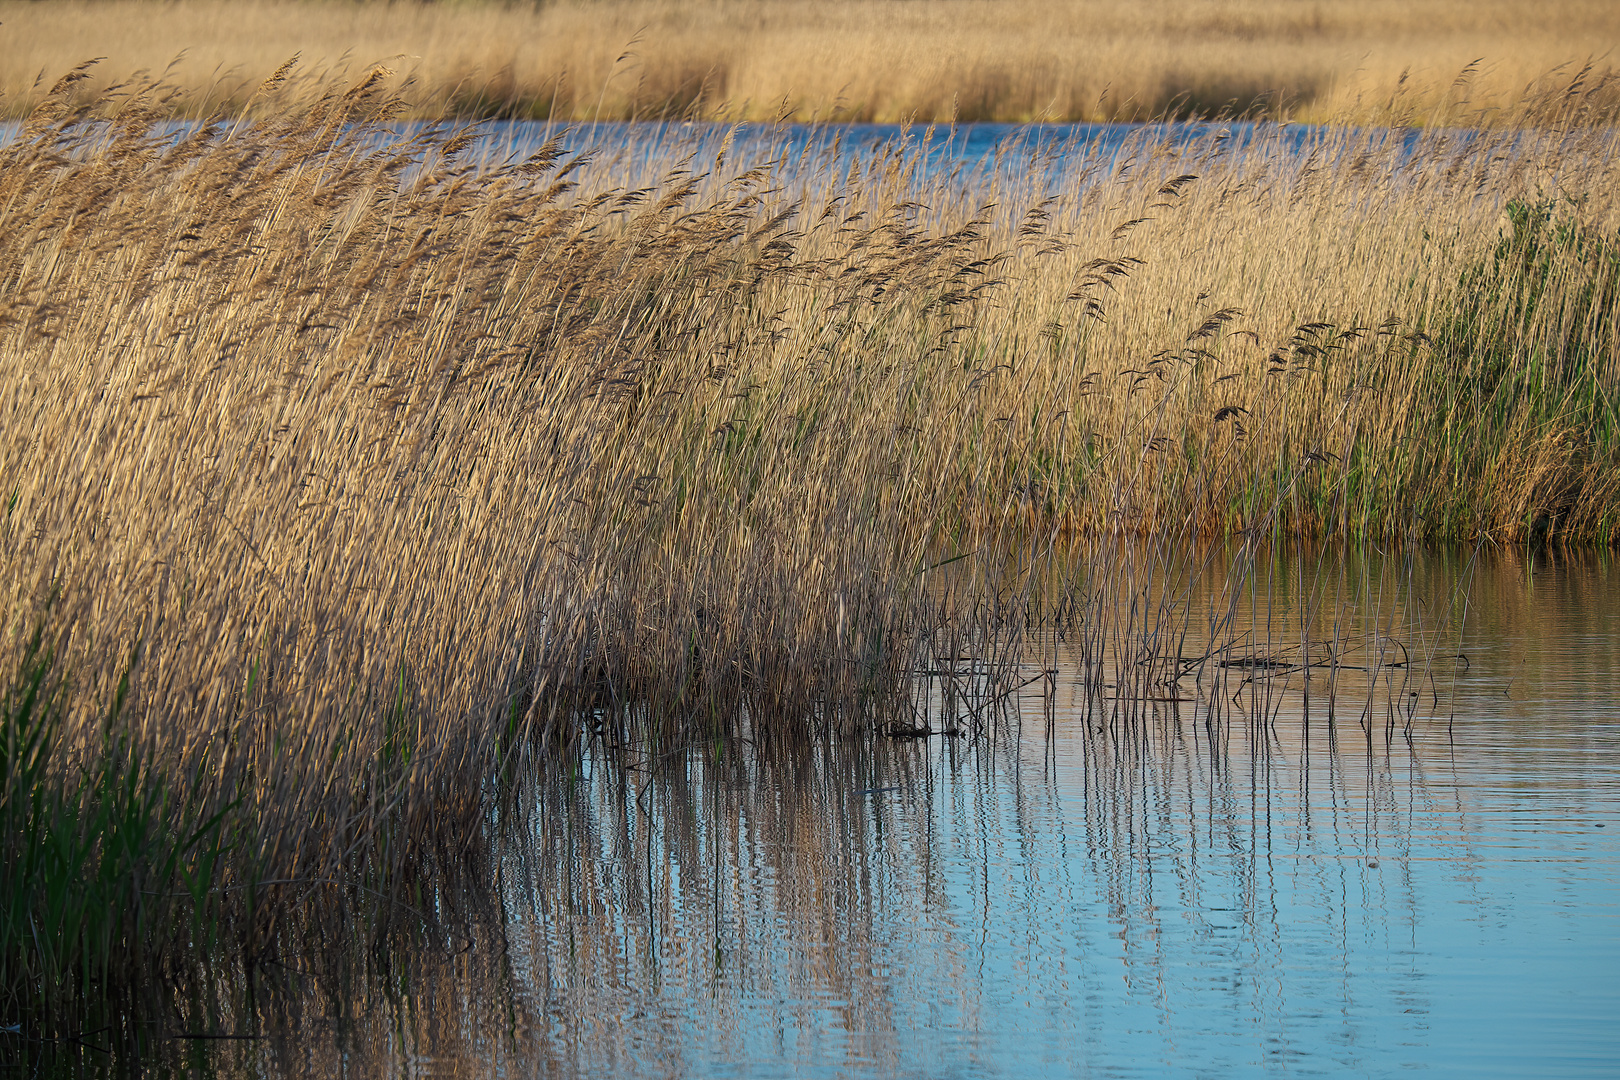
(352, 472)
(111, 871)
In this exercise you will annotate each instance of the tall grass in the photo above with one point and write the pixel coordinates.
(925, 60)
(111, 871)
(347, 469)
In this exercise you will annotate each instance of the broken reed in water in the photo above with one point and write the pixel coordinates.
(345, 469)
(1436, 62)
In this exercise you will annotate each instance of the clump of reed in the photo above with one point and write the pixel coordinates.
(966, 60)
(348, 469)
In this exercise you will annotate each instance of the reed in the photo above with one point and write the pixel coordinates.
(1009, 60)
(108, 867)
(350, 468)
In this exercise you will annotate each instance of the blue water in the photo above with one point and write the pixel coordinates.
(1049, 154)
(648, 150)
(1163, 916)
(1161, 898)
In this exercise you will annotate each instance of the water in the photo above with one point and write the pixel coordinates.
(980, 158)
(1165, 898)
(631, 155)
(944, 144)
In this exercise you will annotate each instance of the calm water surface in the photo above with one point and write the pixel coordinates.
(1161, 899)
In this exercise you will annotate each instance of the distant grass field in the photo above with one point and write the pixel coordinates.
(1424, 61)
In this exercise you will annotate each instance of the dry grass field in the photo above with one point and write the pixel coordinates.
(344, 470)
(1426, 61)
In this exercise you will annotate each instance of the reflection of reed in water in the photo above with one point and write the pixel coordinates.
(758, 876)
(1240, 634)
(660, 912)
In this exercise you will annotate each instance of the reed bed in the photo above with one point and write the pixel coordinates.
(350, 468)
(1007, 60)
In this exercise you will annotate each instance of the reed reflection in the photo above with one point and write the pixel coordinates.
(1225, 877)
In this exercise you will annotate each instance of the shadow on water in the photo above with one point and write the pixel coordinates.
(1225, 876)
